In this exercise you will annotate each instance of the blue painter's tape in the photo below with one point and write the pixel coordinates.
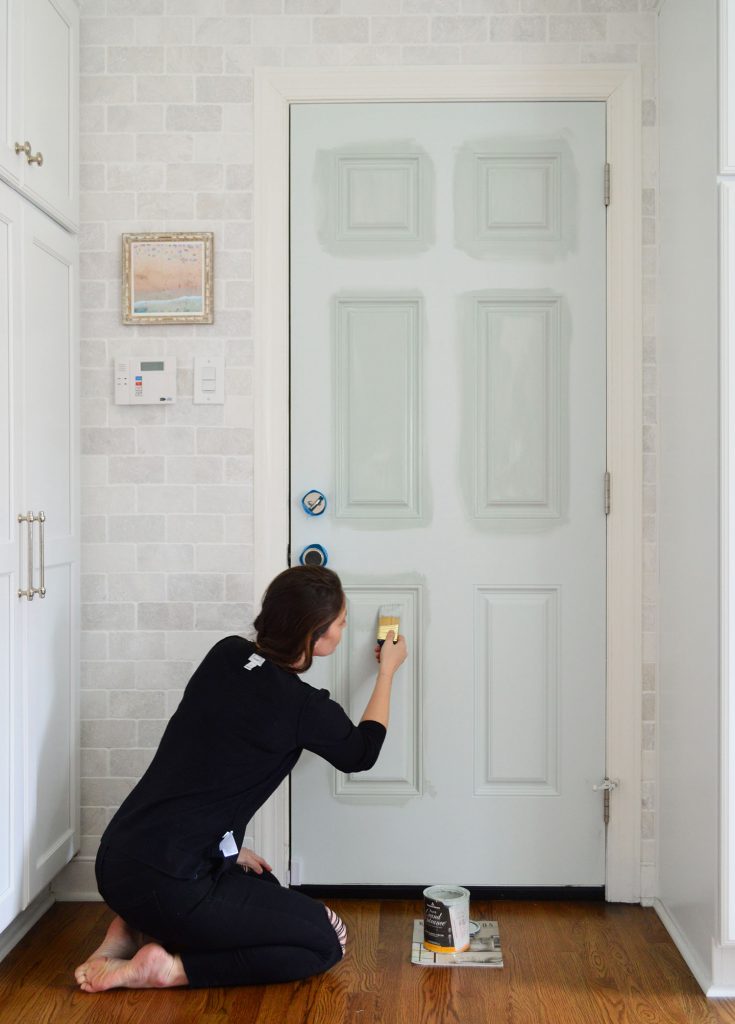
(314, 503)
(313, 554)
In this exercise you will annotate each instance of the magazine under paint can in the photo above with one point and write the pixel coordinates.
(447, 918)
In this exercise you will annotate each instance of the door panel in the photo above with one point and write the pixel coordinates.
(516, 669)
(52, 622)
(448, 396)
(50, 69)
(398, 771)
(51, 758)
(377, 349)
(11, 767)
(10, 99)
(517, 405)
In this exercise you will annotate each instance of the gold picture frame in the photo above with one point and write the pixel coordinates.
(168, 277)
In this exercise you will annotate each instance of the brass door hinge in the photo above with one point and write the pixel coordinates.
(606, 787)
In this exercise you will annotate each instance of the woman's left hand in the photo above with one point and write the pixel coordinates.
(249, 860)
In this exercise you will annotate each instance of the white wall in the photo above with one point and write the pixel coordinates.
(167, 144)
(689, 478)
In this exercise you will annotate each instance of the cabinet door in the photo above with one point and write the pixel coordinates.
(12, 164)
(11, 803)
(50, 103)
(50, 462)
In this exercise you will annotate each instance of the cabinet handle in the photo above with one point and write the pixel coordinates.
(41, 518)
(29, 591)
(37, 159)
(23, 147)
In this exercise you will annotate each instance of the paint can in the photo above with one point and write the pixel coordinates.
(447, 918)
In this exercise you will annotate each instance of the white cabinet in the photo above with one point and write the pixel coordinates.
(11, 762)
(39, 458)
(39, 71)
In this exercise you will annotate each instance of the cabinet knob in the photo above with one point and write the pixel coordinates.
(37, 159)
(23, 147)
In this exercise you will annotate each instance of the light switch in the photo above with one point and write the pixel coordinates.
(209, 380)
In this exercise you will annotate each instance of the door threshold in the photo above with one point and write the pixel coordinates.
(595, 893)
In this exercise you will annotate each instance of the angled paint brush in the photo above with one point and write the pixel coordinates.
(389, 618)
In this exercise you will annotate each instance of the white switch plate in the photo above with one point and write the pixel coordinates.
(209, 380)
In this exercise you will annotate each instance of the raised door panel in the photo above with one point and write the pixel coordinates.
(51, 768)
(515, 199)
(375, 200)
(518, 406)
(11, 806)
(398, 771)
(378, 432)
(516, 685)
(50, 101)
(50, 354)
(12, 164)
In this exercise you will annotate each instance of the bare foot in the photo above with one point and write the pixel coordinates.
(151, 967)
(121, 941)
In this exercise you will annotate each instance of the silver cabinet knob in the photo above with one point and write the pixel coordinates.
(314, 503)
(313, 554)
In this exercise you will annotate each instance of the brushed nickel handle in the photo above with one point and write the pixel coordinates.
(29, 590)
(41, 519)
(37, 159)
(23, 147)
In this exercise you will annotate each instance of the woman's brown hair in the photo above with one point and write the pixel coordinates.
(299, 606)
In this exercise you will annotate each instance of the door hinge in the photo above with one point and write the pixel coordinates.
(607, 494)
(606, 786)
(607, 185)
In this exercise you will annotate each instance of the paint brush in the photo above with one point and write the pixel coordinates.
(389, 618)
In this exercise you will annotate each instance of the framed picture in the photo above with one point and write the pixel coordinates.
(167, 277)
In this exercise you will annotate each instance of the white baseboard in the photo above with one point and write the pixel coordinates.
(723, 972)
(702, 974)
(25, 921)
(76, 882)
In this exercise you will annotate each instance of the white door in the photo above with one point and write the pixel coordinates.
(49, 102)
(448, 397)
(11, 764)
(11, 163)
(50, 456)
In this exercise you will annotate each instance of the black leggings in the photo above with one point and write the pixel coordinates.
(229, 927)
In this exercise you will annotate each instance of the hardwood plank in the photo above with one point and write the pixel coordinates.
(565, 963)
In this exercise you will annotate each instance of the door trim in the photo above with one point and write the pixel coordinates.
(619, 88)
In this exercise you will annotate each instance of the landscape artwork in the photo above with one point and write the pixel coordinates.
(167, 278)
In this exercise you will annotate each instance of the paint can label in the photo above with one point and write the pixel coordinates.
(446, 919)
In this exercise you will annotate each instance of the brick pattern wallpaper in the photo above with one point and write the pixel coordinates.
(167, 144)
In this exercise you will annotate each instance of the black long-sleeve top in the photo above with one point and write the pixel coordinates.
(235, 736)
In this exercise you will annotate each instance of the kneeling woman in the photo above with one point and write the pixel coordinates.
(192, 908)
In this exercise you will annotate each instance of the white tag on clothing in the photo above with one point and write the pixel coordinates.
(228, 846)
(254, 661)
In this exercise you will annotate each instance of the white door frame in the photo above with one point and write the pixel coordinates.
(619, 87)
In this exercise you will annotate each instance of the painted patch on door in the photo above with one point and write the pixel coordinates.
(377, 353)
(375, 200)
(399, 768)
(514, 197)
(517, 405)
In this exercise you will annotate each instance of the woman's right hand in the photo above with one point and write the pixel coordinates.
(392, 655)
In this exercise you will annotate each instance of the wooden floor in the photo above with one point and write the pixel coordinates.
(592, 963)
